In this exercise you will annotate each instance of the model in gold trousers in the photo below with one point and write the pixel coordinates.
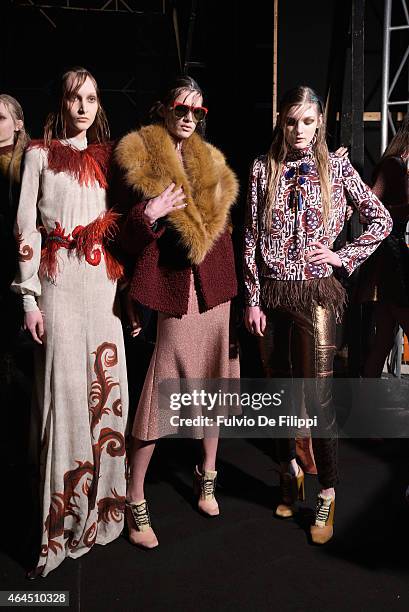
(308, 337)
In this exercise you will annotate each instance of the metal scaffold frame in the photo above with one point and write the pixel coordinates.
(49, 10)
(107, 6)
(388, 85)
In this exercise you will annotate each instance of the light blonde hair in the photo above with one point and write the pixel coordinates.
(21, 138)
(297, 97)
(56, 126)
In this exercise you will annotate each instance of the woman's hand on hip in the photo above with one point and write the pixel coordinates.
(255, 320)
(322, 254)
(168, 201)
(34, 322)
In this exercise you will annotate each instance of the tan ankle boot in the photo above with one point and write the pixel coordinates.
(292, 489)
(139, 524)
(323, 528)
(204, 486)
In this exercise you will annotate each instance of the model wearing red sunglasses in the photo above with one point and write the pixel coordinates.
(182, 110)
(188, 261)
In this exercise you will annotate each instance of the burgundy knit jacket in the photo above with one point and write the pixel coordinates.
(196, 238)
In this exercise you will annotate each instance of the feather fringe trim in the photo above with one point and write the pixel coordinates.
(101, 231)
(299, 295)
(88, 166)
(54, 241)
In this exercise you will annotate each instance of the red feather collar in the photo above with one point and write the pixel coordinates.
(87, 166)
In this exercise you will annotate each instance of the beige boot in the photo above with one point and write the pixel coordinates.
(139, 524)
(323, 528)
(292, 489)
(204, 486)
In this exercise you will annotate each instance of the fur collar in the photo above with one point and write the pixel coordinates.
(150, 163)
(88, 166)
(5, 160)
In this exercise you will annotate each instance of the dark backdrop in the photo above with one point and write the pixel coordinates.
(134, 54)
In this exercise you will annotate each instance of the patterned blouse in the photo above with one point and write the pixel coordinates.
(280, 252)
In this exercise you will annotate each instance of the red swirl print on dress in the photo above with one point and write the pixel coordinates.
(65, 504)
(81, 483)
(91, 535)
(25, 252)
(117, 407)
(106, 356)
(111, 508)
(115, 447)
(114, 441)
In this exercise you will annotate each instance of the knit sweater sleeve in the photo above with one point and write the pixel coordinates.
(371, 213)
(27, 282)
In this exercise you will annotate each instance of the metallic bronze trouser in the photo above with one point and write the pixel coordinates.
(302, 345)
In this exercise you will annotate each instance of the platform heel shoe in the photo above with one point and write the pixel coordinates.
(204, 486)
(292, 489)
(323, 528)
(139, 524)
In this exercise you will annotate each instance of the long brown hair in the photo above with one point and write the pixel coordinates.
(21, 138)
(55, 125)
(399, 145)
(298, 96)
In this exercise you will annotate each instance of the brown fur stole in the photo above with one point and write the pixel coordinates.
(150, 163)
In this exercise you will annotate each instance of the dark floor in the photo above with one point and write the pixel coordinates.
(246, 559)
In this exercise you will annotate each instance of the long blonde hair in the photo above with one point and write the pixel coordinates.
(21, 138)
(299, 96)
(56, 126)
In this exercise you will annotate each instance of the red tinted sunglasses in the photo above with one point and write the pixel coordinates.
(181, 110)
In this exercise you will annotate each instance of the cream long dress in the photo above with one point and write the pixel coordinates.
(81, 399)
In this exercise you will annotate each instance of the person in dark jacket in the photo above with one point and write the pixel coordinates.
(385, 277)
(178, 190)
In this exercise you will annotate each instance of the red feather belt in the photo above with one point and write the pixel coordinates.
(88, 241)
